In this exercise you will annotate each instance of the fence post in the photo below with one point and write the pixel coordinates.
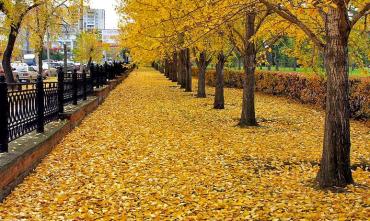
(92, 75)
(40, 104)
(4, 107)
(107, 77)
(119, 64)
(109, 71)
(74, 87)
(102, 83)
(115, 68)
(97, 75)
(100, 75)
(104, 78)
(60, 90)
(84, 80)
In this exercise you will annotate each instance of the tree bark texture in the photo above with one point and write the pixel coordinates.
(248, 116)
(166, 68)
(174, 67)
(182, 68)
(202, 66)
(219, 102)
(7, 56)
(188, 76)
(335, 163)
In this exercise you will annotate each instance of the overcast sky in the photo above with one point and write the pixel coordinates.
(111, 17)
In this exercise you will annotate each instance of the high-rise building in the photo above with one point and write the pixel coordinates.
(94, 19)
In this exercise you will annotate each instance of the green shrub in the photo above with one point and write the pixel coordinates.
(305, 89)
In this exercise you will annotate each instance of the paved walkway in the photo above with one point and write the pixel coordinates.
(152, 151)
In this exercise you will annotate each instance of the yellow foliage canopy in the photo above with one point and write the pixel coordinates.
(89, 47)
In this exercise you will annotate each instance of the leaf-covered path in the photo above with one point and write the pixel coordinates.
(153, 151)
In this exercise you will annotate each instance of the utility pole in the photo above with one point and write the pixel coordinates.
(28, 48)
(81, 16)
(65, 58)
(48, 49)
(81, 25)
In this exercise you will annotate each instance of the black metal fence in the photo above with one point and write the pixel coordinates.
(25, 107)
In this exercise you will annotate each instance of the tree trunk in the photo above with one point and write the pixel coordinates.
(12, 37)
(182, 68)
(219, 90)
(188, 76)
(174, 68)
(179, 68)
(166, 68)
(248, 116)
(65, 64)
(170, 69)
(202, 66)
(335, 163)
(89, 64)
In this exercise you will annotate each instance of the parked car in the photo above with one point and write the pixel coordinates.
(17, 64)
(46, 73)
(70, 65)
(26, 73)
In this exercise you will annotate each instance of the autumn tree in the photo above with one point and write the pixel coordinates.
(330, 33)
(4, 31)
(15, 12)
(224, 51)
(250, 28)
(159, 33)
(89, 48)
(50, 16)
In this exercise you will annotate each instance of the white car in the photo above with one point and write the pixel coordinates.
(18, 64)
(25, 73)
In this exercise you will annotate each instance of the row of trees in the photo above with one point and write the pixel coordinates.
(179, 32)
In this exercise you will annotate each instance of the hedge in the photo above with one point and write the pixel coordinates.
(305, 89)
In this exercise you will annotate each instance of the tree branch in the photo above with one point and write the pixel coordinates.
(286, 14)
(360, 14)
(259, 24)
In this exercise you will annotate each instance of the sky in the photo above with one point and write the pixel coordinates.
(111, 17)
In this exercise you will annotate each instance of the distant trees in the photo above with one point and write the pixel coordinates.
(15, 12)
(47, 19)
(45, 14)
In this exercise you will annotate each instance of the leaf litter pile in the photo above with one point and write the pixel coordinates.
(152, 151)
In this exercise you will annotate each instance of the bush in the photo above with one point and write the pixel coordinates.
(302, 88)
